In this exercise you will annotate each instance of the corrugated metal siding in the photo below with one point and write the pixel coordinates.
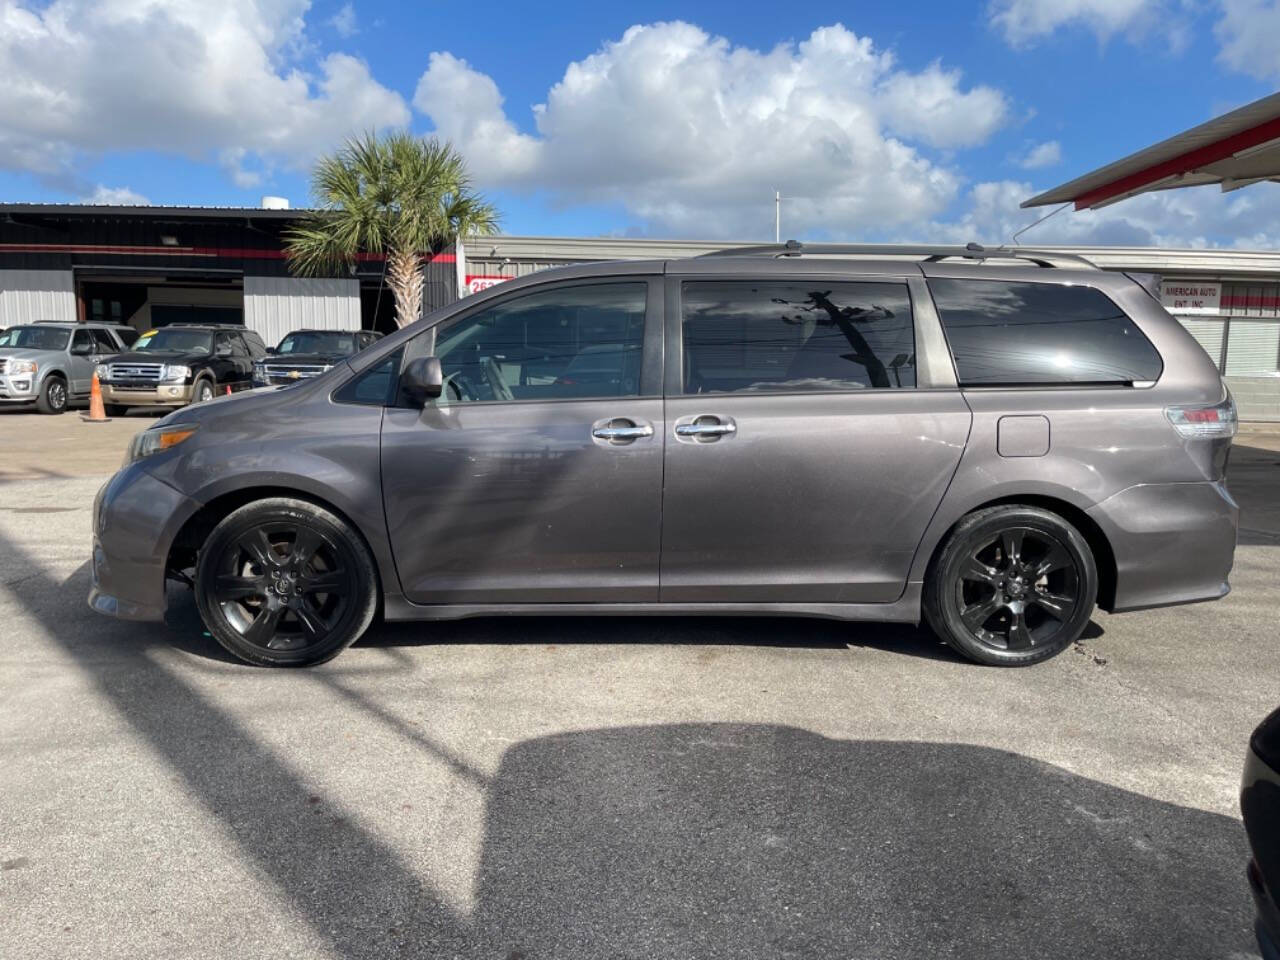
(275, 305)
(30, 295)
(1253, 347)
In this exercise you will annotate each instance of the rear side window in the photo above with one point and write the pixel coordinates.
(1019, 334)
(788, 336)
(127, 335)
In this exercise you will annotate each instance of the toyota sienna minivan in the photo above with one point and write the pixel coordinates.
(994, 442)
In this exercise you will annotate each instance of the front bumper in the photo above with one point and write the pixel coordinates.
(135, 520)
(22, 388)
(1173, 542)
(147, 395)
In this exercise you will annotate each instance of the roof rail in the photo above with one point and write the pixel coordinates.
(929, 254)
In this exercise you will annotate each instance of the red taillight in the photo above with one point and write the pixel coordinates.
(1201, 416)
(1204, 422)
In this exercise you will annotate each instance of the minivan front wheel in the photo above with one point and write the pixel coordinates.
(283, 582)
(1014, 585)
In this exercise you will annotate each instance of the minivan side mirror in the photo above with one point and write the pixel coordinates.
(422, 379)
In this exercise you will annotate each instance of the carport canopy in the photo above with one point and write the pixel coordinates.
(1234, 150)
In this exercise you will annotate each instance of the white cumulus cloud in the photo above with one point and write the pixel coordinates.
(230, 79)
(1039, 155)
(693, 135)
(116, 196)
(1024, 21)
(1193, 217)
(344, 21)
(1249, 35)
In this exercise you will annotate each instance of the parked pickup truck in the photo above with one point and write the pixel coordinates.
(303, 354)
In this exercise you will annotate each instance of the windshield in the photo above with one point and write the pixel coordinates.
(340, 343)
(35, 338)
(170, 340)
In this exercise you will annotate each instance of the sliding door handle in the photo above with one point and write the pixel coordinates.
(619, 430)
(706, 428)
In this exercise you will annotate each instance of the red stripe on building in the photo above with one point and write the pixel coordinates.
(227, 253)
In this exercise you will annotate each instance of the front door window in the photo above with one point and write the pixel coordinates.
(571, 342)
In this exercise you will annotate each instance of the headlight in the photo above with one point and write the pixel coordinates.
(174, 373)
(156, 439)
(103, 371)
(22, 366)
(259, 373)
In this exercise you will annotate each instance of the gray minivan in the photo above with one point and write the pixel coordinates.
(995, 442)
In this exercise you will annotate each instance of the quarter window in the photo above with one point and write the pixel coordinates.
(1011, 334)
(563, 343)
(743, 336)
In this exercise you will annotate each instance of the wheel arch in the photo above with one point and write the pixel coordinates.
(196, 528)
(1103, 555)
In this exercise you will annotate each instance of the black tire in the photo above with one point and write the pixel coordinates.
(257, 577)
(53, 395)
(114, 410)
(202, 391)
(1013, 585)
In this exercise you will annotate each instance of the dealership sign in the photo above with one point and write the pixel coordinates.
(1188, 296)
(482, 281)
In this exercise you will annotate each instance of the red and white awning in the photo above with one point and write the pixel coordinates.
(1234, 150)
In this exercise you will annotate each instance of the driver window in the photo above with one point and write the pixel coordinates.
(569, 342)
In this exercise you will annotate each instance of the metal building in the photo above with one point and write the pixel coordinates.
(148, 266)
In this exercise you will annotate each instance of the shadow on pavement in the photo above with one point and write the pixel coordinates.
(702, 840)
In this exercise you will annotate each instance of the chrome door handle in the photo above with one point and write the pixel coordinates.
(706, 430)
(621, 430)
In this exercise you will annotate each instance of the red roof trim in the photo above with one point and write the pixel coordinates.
(1183, 163)
(241, 253)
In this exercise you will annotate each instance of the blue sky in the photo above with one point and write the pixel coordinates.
(926, 121)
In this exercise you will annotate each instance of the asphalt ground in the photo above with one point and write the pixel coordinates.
(558, 788)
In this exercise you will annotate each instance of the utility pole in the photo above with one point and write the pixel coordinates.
(777, 216)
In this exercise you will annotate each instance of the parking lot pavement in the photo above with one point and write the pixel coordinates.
(616, 787)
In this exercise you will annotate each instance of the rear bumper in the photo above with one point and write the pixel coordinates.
(1173, 542)
(158, 395)
(135, 520)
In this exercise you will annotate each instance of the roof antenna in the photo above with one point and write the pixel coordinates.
(1013, 241)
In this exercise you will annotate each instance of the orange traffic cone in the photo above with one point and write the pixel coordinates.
(97, 413)
(228, 389)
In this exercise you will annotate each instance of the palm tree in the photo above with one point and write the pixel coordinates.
(400, 196)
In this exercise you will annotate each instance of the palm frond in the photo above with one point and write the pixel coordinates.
(396, 195)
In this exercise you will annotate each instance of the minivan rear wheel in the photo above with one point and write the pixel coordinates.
(283, 582)
(1014, 585)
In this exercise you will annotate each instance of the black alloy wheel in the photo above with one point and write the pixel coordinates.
(283, 582)
(1014, 585)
